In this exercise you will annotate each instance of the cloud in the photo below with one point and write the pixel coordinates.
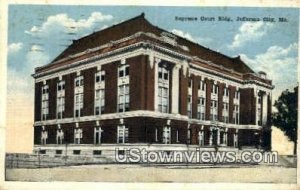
(15, 47)
(185, 35)
(249, 32)
(280, 64)
(188, 36)
(63, 24)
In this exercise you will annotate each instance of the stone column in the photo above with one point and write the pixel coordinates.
(210, 136)
(264, 109)
(156, 62)
(175, 89)
(218, 136)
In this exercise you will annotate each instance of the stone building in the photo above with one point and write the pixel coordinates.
(135, 84)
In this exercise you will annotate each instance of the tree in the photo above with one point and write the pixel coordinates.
(286, 117)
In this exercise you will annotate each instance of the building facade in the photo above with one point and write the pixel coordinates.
(137, 84)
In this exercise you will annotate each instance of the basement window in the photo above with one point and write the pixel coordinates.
(97, 152)
(76, 152)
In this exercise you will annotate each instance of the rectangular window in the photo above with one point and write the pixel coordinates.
(225, 113)
(259, 99)
(237, 95)
(79, 81)
(61, 85)
(77, 135)
(45, 102)
(60, 100)
(60, 109)
(123, 71)
(202, 85)
(226, 92)
(190, 83)
(100, 76)
(59, 136)
(97, 152)
(189, 106)
(163, 89)
(78, 96)
(214, 110)
(123, 98)
(201, 108)
(76, 152)
(122, 134)
(259, 116)
(44, 137)
(78, 104)
(236, 114)
(123, 89)
(99, 101)
(163, 99)
(58, 152)
(214, 89)
(97, 135)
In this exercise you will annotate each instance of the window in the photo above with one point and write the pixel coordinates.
(97, 152)
(78, 96)
(123, 99)
(100, 76)
(124, 70)
(201, 138)
(225, 112)
(60, 100)
(163, 99)
(201, 108)
(189, 106)
(226, 92)
(214, 110)
(99, 93)
(202, 86)
(44, 137)
(61, 85)
(45, 102)
(123, 89)
(236, 114)
(259, 99)
(79, 81)
(77, 135)
(122, 134)
(59, 136)
(76, 152)
(190, 83)
(78, 104)
(214, 89)
(163, 88)
(167, 135)
(42, 151)
(163, 72)
(60, 107)
(99, 101)
(237, 95)
(259, 116)
(58, 152)
(97, 135)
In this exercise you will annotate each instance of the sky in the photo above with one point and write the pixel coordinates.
(38, 33)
